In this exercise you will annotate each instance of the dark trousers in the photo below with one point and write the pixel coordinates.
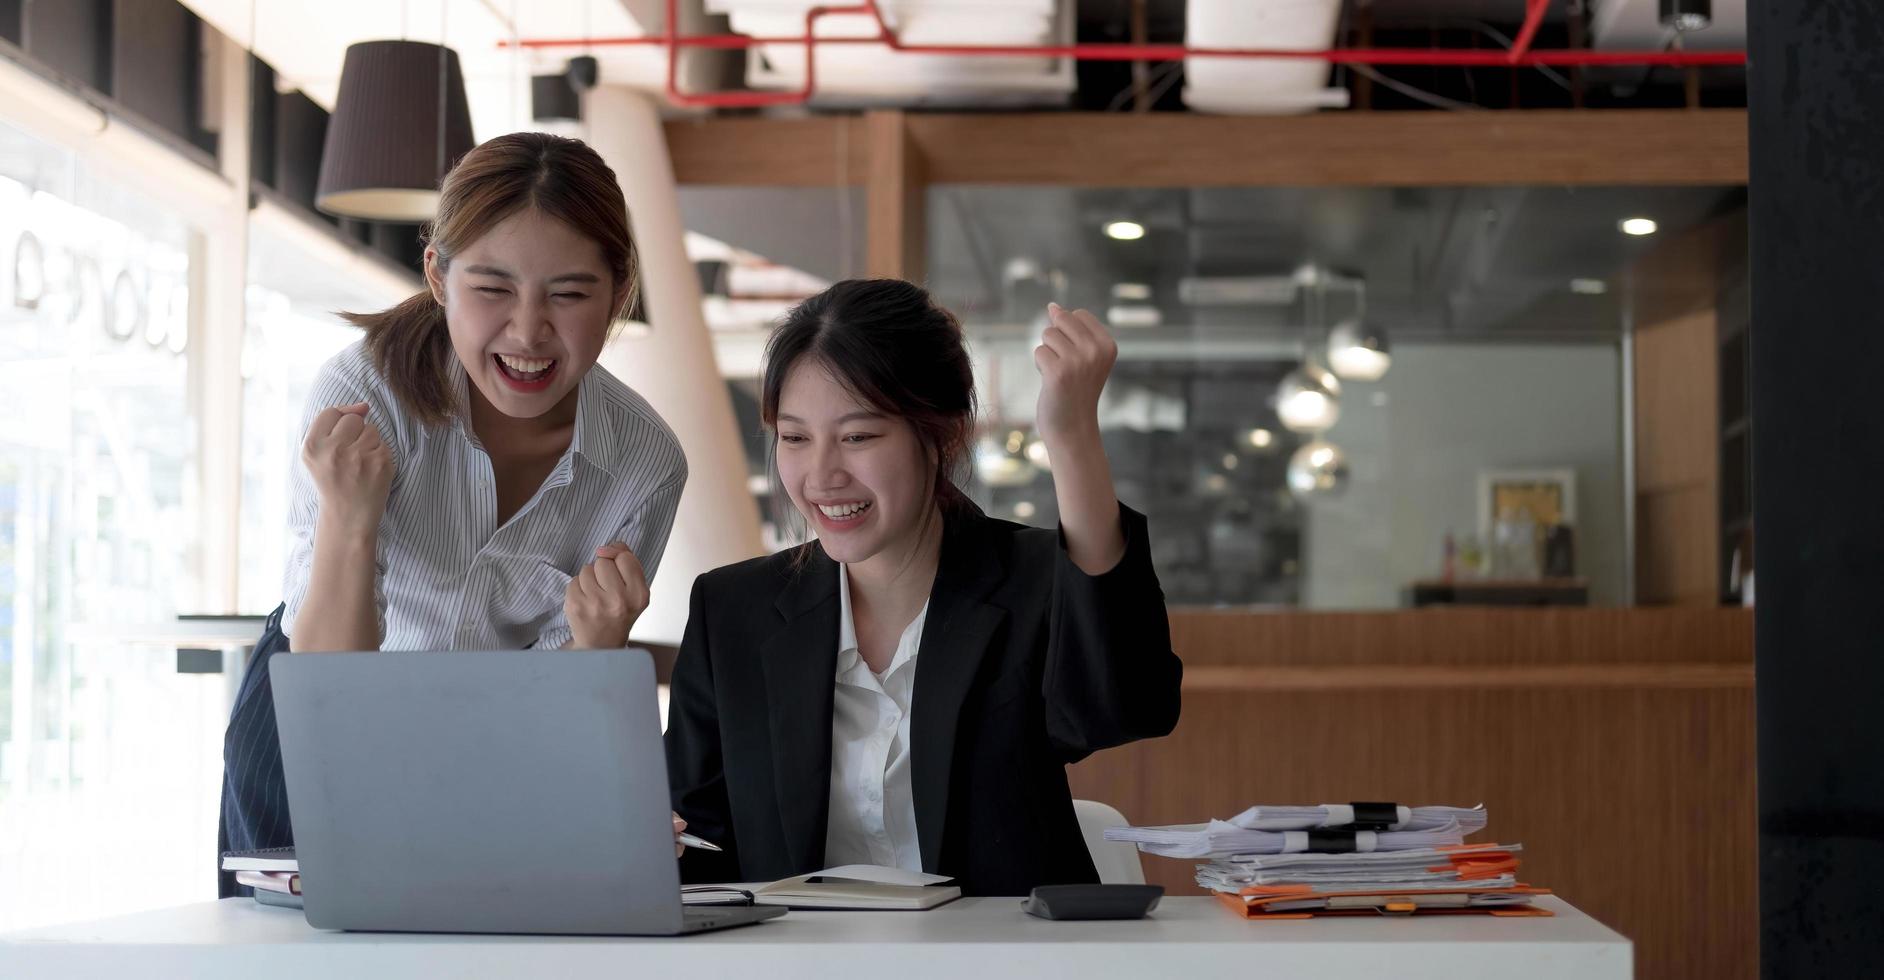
(254, 795)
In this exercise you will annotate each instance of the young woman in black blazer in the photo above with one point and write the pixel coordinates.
(908, 688)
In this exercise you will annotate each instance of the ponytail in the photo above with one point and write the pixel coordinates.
(411, 347)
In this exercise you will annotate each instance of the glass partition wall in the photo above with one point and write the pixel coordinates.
(1332, 398)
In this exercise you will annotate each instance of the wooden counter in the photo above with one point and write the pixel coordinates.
(1615, 744)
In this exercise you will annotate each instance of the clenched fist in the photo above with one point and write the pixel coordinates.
(605, 599)
(1075, 356)
(351, 465)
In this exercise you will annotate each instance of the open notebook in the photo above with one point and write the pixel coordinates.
(853, 886)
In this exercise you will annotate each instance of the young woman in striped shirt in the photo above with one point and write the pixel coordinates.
(471, 478)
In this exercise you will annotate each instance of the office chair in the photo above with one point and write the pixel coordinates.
(1117, 861)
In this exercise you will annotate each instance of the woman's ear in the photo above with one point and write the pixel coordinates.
(622, 300)
(435, 275)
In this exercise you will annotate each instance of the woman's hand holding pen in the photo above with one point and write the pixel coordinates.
(352, 469)
(605, 598)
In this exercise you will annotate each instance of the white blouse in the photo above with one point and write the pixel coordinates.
(451, 578)
(872, 814)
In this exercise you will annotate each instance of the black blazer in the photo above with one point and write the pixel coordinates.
(1026, 664)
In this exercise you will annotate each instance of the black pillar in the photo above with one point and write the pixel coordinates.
(1816, 114)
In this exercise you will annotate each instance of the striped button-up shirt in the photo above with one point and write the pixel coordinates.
(449, 577)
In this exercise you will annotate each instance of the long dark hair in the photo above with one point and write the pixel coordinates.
(898, 352)
(560, 177)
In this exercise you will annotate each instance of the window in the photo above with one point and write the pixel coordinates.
(298, 284)
(98, 532)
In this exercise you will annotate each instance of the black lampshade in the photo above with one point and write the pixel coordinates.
(386, 149)
(553, 98)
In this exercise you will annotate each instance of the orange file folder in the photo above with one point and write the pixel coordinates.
(1288, 902)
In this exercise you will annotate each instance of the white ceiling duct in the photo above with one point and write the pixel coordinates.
(307, 42)
(1260, 85)
(873, 73)
(1635, 25)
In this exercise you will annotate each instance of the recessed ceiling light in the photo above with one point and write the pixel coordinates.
(1133, 315)
(1125, 231)
(1589, 287)
(1638, 226)
(1134, 292)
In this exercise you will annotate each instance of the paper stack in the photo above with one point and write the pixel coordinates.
(1271, 862)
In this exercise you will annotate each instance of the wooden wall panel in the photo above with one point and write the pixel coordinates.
(1677, 459)
(1465, 637)
(1678, 545)
(1627, 773)
(1385, 149)
(1408, 149)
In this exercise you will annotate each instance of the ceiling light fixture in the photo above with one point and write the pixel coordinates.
(1638, 226)
(1133, 316)
(1308, 399)
(400, 122)
(1318, 470)
(1357, 350)
(1125, 231)
(1687, 15)
(1002, 462)
(1036, 451)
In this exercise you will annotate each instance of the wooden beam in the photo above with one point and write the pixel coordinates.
(894, 192)
(821, 151)
(1371, 149)
(1381, 149)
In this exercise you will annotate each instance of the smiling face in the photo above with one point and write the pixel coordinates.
(528, 306)
(860, 477)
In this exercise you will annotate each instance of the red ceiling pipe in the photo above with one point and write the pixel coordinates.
(1533, 19)
(747, 100)
(1174, 52)
(1521, 54)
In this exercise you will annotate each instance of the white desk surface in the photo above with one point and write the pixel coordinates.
(976, 938)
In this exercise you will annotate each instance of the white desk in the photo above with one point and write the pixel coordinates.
(976, 938)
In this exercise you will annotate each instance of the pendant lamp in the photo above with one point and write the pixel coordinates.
(400, 123)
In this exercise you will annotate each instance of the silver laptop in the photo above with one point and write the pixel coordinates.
(514, 792)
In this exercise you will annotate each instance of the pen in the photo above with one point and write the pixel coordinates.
(690, 840)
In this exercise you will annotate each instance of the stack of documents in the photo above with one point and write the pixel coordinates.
(1292, 829)
(1272, 862)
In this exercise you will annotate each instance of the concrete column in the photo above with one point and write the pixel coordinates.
(673, 367)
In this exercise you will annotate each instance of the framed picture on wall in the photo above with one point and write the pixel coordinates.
(1547, 496)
